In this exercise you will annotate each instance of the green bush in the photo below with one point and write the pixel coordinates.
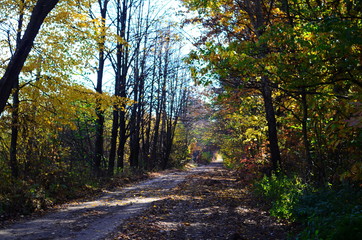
(282, 191)
(325, 214)
(333, 214)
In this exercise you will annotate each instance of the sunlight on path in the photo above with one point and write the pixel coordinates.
(218, 157)
(100, 218)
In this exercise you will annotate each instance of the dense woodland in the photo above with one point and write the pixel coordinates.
(92, 90)
(288, 100)
(290, 82)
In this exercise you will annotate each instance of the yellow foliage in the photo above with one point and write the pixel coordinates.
(354, 174)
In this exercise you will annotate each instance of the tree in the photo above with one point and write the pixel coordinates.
(15, 105)
(237, 28)
(101, 42)
(120, 68)
(7, 82)
(298, 56)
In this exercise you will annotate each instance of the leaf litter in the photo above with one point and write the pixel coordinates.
(208, 205)
(206, 202)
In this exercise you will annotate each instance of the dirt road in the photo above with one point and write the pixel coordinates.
(203, 203)
(100, 218)
(216, 204)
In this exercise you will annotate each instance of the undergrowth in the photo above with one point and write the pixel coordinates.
(282, 191)
(330, 214)
(20, 197)
(23, 197)
(324, 213)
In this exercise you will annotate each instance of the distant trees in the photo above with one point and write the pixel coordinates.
(147, 66)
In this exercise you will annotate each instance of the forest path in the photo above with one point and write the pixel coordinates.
(215, 204)
(206, 202)
(100, 218)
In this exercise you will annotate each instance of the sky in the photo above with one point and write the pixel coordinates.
(170, 10)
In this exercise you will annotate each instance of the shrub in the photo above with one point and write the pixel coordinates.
(22, 197)
(330, 214)
(19, 198)
(282, 191)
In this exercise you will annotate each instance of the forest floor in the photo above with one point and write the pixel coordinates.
(206, 202)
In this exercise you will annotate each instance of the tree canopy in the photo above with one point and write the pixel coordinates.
(303, 60)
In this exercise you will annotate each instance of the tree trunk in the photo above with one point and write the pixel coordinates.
(256, 13)
(147, 145)
(272, 124)
(305, 133)
(121, 26)
(122, 141)
(15, 107)
(14, 133)
(99, 148)
(112, 152)
(155, 139)
(121, 70)
(134, 131)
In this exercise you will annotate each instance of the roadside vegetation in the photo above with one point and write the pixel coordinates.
(333, 212)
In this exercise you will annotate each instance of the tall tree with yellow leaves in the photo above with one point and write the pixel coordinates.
(8, 81)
